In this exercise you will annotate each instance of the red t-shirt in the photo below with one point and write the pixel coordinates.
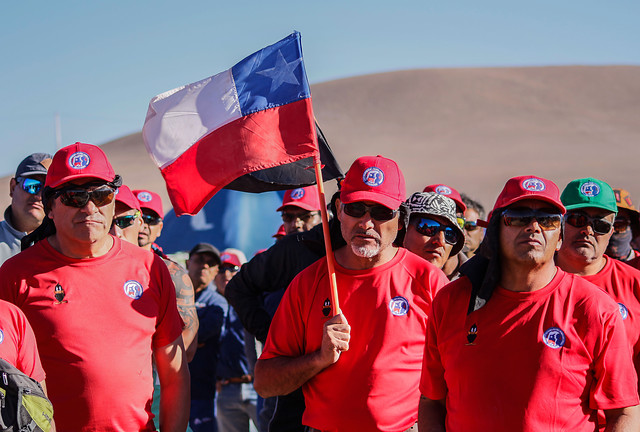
(374, 385)
(17, 342)
(96, 322)
(528, 361)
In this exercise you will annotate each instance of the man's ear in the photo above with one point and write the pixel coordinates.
(12, 185)
(161, 224)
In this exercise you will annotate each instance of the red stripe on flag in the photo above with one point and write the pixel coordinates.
(265, 139)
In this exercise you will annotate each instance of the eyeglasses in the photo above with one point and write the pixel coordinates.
(524, 217)
(151, 220)
(581, 220)
(79, 197)
(31, 186)
(621, 224)
(430, 228)
(232, 269)
(377, 211)
(304, 217)
(470, 226)
(460, 221)
(125, 221)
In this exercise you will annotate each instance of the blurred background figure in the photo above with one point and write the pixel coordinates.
(473, 233)
(625, 228)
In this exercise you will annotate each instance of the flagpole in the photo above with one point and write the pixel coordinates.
(335, 306)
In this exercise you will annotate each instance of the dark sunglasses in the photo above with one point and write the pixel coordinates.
(430, 228)
(79, 197)
(151, 220)
(524, 217)
(304, 217)
(377, 211)
(31, 186)
(471, 226)
(125, 221)
(621, 224)
(232, 269)
(581, 220)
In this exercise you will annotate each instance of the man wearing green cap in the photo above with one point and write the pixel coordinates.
(588, 226)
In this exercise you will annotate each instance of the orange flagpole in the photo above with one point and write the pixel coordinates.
(335, 306)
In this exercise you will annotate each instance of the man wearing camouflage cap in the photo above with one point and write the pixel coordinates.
(432, 230)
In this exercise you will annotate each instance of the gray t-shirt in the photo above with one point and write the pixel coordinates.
(9, 238)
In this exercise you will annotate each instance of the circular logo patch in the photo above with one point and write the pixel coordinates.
(443, 190)
(623, 311)
(373, 176)
(590, 189)
(399, 306)
(297, 193)
(1, 336)
(534, 185)
(133, 289)
(554, 338)
(79, 160)
(144, 196)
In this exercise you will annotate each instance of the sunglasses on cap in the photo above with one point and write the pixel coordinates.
(231, 268)
(430, 228)
(30, 186)
(151, 220)
(378, 212)
(304, 217)
(125, 221)
(581, 220)
(78, 197)
(470, 226)
(524, 217)
(621, 224)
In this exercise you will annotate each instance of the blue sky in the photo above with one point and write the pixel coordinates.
(97, 63)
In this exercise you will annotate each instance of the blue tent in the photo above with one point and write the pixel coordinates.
(241, 220)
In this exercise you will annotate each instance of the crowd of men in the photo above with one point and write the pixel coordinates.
(523, 319)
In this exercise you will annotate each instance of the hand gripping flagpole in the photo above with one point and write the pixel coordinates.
(335, 306)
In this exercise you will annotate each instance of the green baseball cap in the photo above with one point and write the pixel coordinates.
(589, 192)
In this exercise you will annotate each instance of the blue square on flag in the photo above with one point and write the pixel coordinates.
(272, 77)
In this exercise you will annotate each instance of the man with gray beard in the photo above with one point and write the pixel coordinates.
(385, 292)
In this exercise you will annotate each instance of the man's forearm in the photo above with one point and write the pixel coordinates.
(431, 415)
(282, 375)
(174, 386)
(623, 419)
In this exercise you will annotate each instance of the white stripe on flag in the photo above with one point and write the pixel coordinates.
(179, 118)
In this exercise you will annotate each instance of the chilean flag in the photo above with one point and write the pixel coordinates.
(254, 116)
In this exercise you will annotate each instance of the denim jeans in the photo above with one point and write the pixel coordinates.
(202, 417)
(237, 408)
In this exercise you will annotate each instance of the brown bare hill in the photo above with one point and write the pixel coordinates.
(470, 128)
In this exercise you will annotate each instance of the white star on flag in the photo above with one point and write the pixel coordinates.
(282, 72)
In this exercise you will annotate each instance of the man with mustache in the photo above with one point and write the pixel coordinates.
(588, 226)
(101, 308)
(361, 374)
(517, 344)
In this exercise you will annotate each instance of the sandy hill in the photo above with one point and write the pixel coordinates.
(469, 128)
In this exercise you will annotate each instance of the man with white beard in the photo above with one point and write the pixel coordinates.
(385, 292)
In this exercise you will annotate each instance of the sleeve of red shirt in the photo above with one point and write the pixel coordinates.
(28, 356)
(432, 382)
(169, 324)
(614, 370)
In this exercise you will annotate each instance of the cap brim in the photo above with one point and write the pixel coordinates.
(303, 206)
(79, 176)
(535, 197)
(377, 198)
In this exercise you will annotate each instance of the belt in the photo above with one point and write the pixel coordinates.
(236, 380)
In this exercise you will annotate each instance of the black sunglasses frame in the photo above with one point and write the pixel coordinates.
(524, 217)
(78, 197)
(570, 218)
(378, 212)
(451, 236)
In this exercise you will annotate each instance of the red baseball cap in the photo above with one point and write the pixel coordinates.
(529, 187)
(79, 161)
(126, 197)
(306, 198)
(281, 232)
(448, 191)
(230, 258)
(374, 178)
(149, 200)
